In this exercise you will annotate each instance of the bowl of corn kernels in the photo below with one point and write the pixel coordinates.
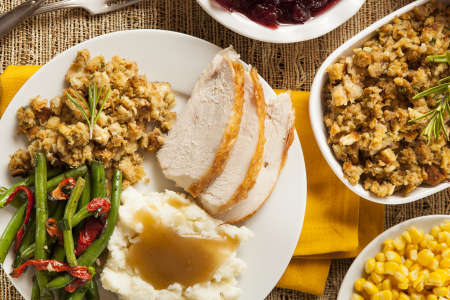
(410, 261)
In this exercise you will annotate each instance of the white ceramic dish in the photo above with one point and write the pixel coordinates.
(313, 28)
(276, 226)
(357, 268)
(317, 123)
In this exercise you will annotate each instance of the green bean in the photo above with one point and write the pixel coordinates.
(40, 188)
(10, 231)
(92, 292)
(28, 181)
(98, 246)
(53, 183)
(81, 215)
(98, 180)
(59, 253)
(5, 196)
(71, 207)
(59, 212)
(28, 253)
(35, 292)
(86, 196)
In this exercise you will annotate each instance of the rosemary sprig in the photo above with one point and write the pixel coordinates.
(437, 115)
(94, 95)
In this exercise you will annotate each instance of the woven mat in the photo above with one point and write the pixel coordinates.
(284, 66)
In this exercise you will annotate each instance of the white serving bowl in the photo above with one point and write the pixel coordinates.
(330, 19)
(356, 270)
(316, 115)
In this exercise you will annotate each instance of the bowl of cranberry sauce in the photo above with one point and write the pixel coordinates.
(281, 21)
(272, 13)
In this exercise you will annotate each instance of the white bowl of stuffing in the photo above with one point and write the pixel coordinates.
(366, 116)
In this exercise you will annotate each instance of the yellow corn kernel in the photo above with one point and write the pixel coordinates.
(386, 284)
(400, 277)
(403, 269)
(380, 257)
(425, 257)
(425, 243)
(435, 278)
(412, 254)
(370, 265)
(416, 266)
(393, 256)
(356, 296)
(388, 245)
(399, 243)
(445, 263)
(432, 297)
(413, 275)
(435, 231)
(441, 247)
(414, 296)
(403, 296)
(416, 235)
(359, 284)
(376, 278)
(408, 263)
(434, 264)
(446, 253)
(407, 237)
(441, 291)
(370, 288)
(442, 236)
(390, 267)
(446, 226)
(379, 267)
(383, 295)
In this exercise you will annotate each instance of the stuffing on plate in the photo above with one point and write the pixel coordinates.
(134, 118)
(368, 105)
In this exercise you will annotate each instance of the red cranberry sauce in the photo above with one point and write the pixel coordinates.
(273, 12)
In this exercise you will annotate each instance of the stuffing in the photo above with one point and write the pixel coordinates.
(120, 136)
(368, 105)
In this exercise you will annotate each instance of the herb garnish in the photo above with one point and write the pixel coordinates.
(441, 93)
(94, 95)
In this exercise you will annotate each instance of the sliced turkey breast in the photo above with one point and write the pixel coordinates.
(244, 163)
(279, 132)
(200, 142)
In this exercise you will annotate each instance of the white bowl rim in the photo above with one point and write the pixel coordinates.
(355, 267)
(327, 21)
(317, 124)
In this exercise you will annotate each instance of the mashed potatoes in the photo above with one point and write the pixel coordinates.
(184, 221)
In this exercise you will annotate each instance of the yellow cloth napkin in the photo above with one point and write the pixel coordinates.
(337, 223)
(11, 81)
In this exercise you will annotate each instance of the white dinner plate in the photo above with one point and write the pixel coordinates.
(356, 270)
(178, 59)
(317, 26)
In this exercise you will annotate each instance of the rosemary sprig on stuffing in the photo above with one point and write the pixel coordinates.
(437, 116)
(94, 95)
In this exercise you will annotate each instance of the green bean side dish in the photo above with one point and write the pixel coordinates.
(50, 227)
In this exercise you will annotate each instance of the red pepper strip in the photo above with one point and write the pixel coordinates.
(52, 265)
(72, 287)
(99, 204)
(30, 199)
(54, 231)
(58, 194)
(91, 230)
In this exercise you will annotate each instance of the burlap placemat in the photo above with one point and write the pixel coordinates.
(284, 66)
